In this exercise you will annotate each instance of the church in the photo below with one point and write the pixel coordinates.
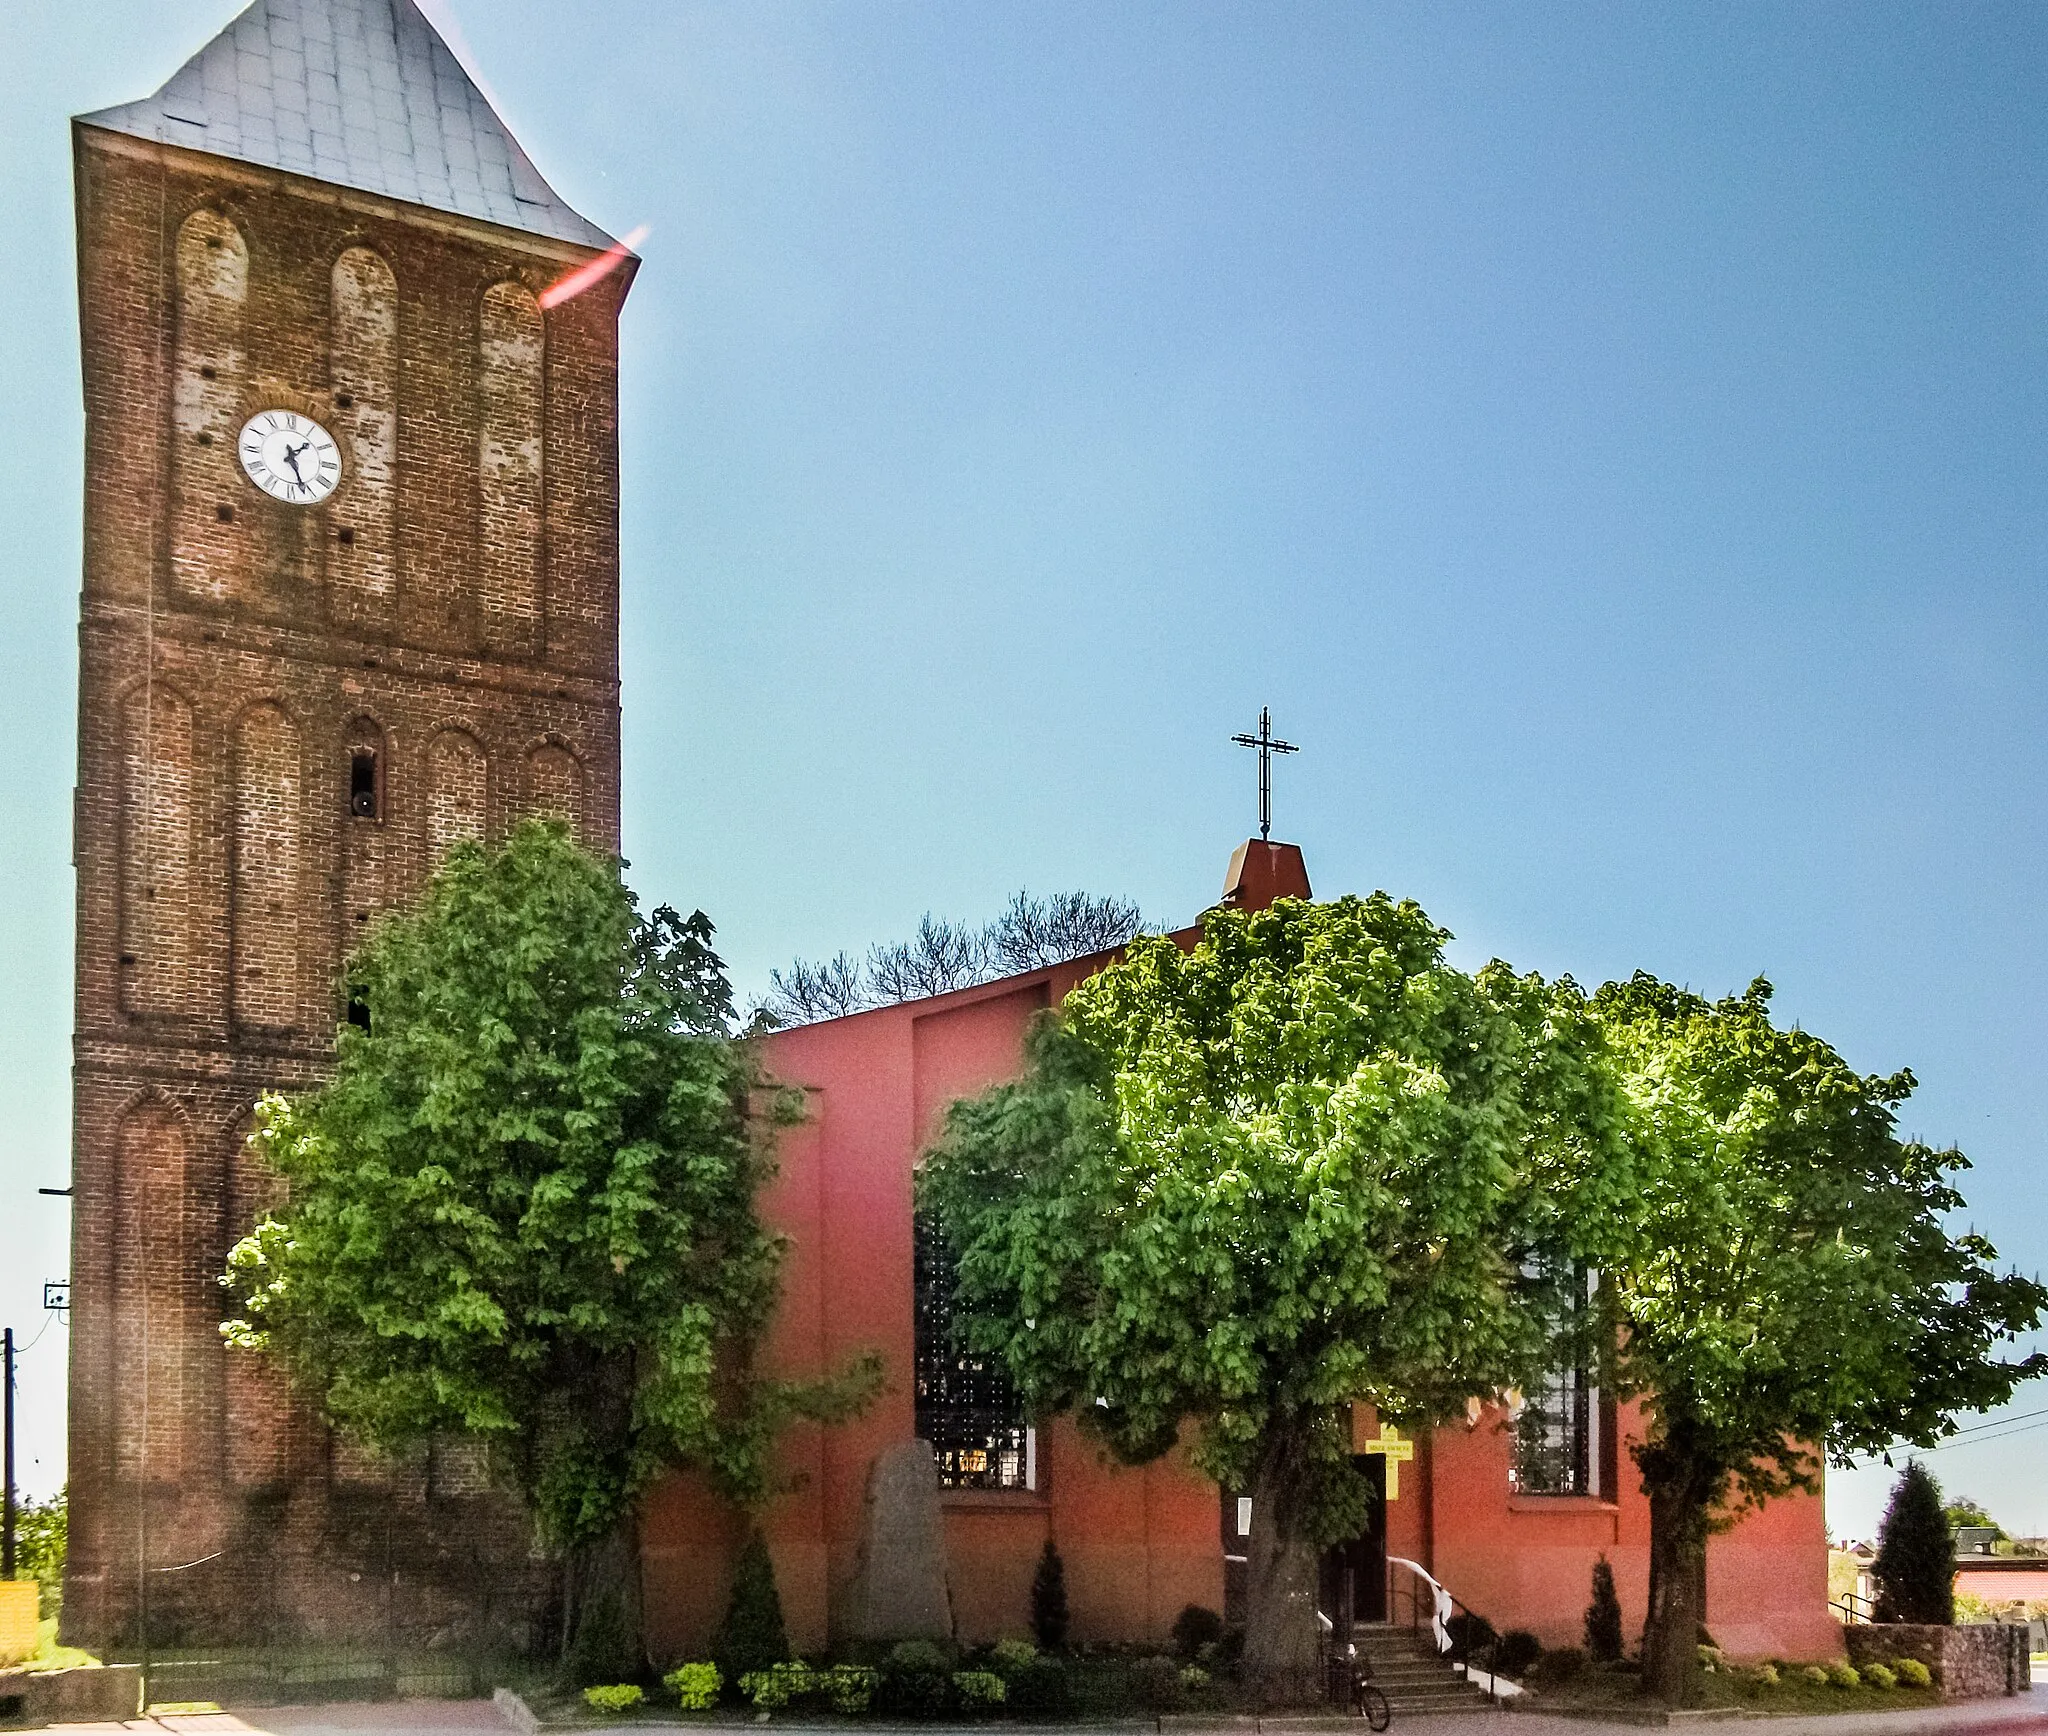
(351, 592)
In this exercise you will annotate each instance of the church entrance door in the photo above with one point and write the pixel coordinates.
(1352, 1583)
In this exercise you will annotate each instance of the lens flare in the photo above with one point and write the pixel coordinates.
(584, 276)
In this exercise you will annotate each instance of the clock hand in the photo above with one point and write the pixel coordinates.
(291, 457)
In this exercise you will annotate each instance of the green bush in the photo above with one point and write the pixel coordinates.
(1194, 1628)
(979, 1690)
(918, 1657)
(1049, 1599)
(1042, 1690)
(780, 1685)
(1913, 1672)
(1010, 1656)
(1194, 1679)
(1564, 1664)
(1711, 1660)
(1519, 1649)
(1471, 1636)
(1156, 1683)
(916, 1682)
(1844, 1676)
(613, 1697)
(1815, 1675)
(1877, 1676)
(1603, 1616)
(695, 1686)
(851, 1688)
(1765, 1675)
(753, 1638)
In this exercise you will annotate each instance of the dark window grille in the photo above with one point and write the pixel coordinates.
(1557, 1447)
(966, 1406)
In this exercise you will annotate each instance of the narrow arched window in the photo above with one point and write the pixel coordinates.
(365, 748)
(362, 783)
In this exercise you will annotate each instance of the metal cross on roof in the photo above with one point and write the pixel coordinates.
(1268, 745)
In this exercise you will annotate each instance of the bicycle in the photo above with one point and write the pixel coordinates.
(1365, 1696)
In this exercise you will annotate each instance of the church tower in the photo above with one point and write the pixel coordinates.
(350, 594)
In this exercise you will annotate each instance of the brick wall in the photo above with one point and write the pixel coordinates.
(451, 611)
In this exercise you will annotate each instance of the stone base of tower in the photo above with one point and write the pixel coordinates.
(390, 1569)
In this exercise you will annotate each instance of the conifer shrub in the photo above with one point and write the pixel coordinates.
(1913, 1672)
(1603, 1617)
(1049, 1600)
(1915, 1569)
(695, 1686)
(753, 1638)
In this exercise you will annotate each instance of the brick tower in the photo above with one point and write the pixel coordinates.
(350, 593)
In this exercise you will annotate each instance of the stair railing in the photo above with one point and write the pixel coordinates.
(1853, 1609)
(1448, 1627)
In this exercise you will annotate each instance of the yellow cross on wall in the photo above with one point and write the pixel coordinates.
(1395, 1451)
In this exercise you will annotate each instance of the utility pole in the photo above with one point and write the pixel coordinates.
(7, 1507)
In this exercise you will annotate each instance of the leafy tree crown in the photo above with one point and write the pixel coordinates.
(1301, 1165)
(1786, 1279)
(522, 1208)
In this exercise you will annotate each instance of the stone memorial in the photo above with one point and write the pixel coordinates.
(899, 1588)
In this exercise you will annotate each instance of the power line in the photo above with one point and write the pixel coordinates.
(2004, 1429)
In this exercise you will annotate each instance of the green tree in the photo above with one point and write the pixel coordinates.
(1243, 1187)
(40, 1535)
(1915, 1569)
(1783, 1285)
(1964, 1511)
(522, 1208)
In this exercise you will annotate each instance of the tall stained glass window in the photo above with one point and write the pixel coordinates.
(966, 1406)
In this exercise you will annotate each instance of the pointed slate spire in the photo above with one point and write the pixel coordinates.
(359, 93)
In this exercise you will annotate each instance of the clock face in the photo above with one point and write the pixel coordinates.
(290, 457)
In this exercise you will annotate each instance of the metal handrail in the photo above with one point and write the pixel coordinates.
(1443, 1611)
(1855, 1609)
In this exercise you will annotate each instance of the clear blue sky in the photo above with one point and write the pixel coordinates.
(1611, 437)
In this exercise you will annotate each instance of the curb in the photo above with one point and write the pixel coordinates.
(515, 1711)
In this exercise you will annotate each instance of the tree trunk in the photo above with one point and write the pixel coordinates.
(1280, 1650)
(603, 1632)
(1681, 1495)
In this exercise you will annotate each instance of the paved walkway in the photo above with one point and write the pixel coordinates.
(2018, 1715)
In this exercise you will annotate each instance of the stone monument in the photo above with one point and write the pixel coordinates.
(899, 1588)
